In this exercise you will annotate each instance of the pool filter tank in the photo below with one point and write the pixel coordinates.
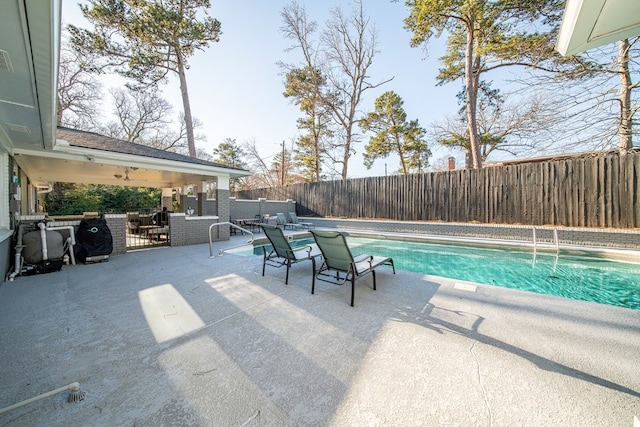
(43, 252)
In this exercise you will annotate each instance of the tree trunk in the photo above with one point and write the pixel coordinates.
(401, 155)
(347, 153)
(186, 105)
(471, 87)
(625, 129)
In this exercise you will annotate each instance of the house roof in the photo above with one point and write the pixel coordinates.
(90, 158)
(30, 31)
(588, 24)
(79, 138)
(556, 157)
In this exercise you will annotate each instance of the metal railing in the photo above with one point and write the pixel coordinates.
(232, 225)
(556, 240)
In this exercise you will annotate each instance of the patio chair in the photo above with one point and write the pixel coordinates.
(294, 220)
(283, 254)
(282, 220)
(339, 265)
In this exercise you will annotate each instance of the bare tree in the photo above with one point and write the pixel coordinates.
(147, 40)
(594, 110)
(343, 56)
(516, 126)
(306, 85)
(139, 113)
(350, 44)
(79, 92)
(627, 109)
(143, 117)
(264, 176)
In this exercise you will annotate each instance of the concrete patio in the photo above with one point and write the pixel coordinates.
(171, 337)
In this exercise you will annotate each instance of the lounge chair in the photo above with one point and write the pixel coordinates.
(282, 252)
(282, 220)
(338, 259)
(294, 220)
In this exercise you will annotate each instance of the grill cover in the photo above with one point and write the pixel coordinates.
(93, 238)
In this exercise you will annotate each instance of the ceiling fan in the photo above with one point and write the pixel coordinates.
(126, 174)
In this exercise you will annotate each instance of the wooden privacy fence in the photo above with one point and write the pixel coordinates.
(599, 191)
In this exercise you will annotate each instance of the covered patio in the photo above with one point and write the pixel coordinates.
(170, 336)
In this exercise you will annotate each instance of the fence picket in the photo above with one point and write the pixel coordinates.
(597, 191)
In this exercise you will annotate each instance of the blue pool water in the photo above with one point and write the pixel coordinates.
(581, 277)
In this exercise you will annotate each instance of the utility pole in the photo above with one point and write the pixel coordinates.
(282, 166)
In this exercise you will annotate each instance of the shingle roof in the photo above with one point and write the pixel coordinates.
(84, 139)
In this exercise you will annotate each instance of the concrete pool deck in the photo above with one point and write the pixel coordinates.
(169, 336)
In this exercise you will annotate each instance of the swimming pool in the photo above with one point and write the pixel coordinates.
(578, 276)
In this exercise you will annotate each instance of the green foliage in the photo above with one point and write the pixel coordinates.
(332, 81)
(306, 86)
(145, 39)
(484, 35)
(74, 199)
(393, 134)
(229, 153)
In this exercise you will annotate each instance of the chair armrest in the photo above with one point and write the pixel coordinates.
(363, 257)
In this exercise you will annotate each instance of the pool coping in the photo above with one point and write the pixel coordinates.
(547, 234)
(610, 253)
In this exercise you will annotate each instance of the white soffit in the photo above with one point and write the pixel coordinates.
(592, 23)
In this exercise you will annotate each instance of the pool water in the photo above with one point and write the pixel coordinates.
(581, 277)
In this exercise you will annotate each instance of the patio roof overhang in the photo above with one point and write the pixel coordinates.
(67, 163)
(29, 49)
(587, 24)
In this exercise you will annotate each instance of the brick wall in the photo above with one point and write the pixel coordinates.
(117, 224)
(251, 208)
(194, 230)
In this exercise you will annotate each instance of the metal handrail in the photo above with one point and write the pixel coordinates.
(232, 225)
(556, 239)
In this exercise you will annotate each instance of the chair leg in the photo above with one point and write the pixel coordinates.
(313, 275)
(353, 288)
(264, 260)
(286, 280)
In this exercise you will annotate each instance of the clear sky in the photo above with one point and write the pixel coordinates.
(236, 87)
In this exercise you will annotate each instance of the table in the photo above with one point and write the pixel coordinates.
(149, 231)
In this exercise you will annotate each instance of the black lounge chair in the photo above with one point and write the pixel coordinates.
(282, 252)
(339, 265)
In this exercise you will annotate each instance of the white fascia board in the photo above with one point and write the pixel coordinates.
(589, 24)
(580, 16)
(81, 154)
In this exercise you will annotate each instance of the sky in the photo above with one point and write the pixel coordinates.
(235, 85)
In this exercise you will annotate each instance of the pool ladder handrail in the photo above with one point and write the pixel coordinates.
(232, 225)
(556, 240)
